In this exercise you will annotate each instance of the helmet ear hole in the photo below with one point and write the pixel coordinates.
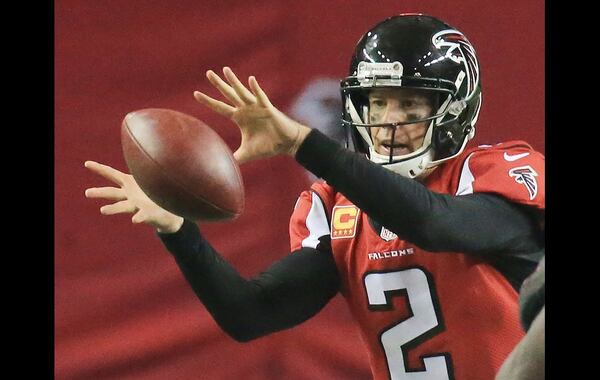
(448, 139)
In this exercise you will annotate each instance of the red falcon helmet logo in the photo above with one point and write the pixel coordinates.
(525, 175)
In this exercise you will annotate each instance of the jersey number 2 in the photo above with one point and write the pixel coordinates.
(424, 319)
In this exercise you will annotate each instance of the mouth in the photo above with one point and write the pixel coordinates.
(397, 148)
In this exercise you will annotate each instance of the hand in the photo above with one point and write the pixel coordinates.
(266, 131)
(130, 199)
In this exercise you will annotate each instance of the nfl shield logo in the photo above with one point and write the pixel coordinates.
(387, 235)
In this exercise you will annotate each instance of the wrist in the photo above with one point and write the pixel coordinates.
(171, 227)
(302, 132)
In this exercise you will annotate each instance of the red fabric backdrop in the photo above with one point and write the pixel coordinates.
(122, 308)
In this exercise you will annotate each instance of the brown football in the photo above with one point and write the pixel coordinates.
(182, 165)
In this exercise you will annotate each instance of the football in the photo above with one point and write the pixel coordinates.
(182, 165)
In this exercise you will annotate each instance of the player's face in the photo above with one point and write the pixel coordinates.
(398, 105)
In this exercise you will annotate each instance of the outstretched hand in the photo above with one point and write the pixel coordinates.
(265, 130)
(130, 199)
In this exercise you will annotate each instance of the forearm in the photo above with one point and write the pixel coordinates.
(278, 298)
(436, 222)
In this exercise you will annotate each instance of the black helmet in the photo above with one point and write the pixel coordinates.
(414, 51)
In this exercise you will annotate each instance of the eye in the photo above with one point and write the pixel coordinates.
(378, 103)
(408, 103)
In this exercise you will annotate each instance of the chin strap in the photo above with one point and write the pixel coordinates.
(411, 168)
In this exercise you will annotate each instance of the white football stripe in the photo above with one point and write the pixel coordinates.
(465, 185)
(316, 222)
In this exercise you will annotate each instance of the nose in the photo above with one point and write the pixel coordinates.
(394, 114)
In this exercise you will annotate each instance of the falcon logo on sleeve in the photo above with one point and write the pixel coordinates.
(525, 175)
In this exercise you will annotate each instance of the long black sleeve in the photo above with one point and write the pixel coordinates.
(286, 294)
(476, 223)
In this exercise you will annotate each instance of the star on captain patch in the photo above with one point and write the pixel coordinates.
(387, 235)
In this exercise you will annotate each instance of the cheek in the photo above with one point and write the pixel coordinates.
(378, 134)
(374, 116)
(417, 131)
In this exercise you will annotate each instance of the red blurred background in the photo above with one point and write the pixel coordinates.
(122, 308)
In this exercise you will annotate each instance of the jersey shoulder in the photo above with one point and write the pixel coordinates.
(327, 194)
(310, 219)
(512, 169)
(510, 147)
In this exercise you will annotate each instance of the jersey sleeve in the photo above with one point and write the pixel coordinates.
(512, 170)
(309, 221)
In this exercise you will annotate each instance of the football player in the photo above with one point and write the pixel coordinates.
(428, 241)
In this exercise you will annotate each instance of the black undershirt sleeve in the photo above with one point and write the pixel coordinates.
(483, 224)
(289, 292)
(299, 285)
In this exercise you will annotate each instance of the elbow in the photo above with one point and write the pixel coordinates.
(241, 336)
(242, 333)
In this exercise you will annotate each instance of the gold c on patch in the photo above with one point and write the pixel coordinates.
(344, 221)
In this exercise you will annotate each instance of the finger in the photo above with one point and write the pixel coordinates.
(215, 105)
(118, 208)
(106, 171)
(138, 217)
(109, 193)
(225, 89)
(239, 88)
(258, 92)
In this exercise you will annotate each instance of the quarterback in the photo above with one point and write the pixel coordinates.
(427, 239)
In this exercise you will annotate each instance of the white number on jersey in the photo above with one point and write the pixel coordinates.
(424, 319)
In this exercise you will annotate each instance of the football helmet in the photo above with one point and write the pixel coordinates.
(422, 53)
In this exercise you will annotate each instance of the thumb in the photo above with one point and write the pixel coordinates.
(241, 156)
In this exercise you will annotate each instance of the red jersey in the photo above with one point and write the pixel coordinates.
(425, 315)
